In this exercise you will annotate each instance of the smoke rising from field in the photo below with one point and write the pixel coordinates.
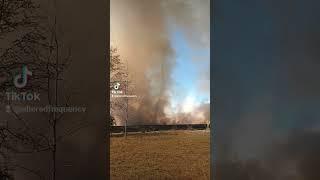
(140, 31)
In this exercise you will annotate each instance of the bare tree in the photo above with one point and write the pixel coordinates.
(16, 15)
(37, 46)
(119, 69)
(119, 75)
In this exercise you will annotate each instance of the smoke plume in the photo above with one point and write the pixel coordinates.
(140, 29)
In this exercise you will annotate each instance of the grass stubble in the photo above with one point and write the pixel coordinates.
(168, 155)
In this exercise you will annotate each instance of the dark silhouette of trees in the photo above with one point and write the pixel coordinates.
(36, 44)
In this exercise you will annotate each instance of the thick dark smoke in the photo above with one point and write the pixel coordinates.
(140, 29)
(267, 90)
(295, 159)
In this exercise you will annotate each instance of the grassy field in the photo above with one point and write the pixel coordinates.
(167, 155)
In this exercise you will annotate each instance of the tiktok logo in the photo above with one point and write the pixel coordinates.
(21, 80)
(116, 89)
(116, 86)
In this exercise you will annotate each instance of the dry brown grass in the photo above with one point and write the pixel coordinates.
(167, 155)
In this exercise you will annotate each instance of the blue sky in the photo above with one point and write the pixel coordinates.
(187, 72)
